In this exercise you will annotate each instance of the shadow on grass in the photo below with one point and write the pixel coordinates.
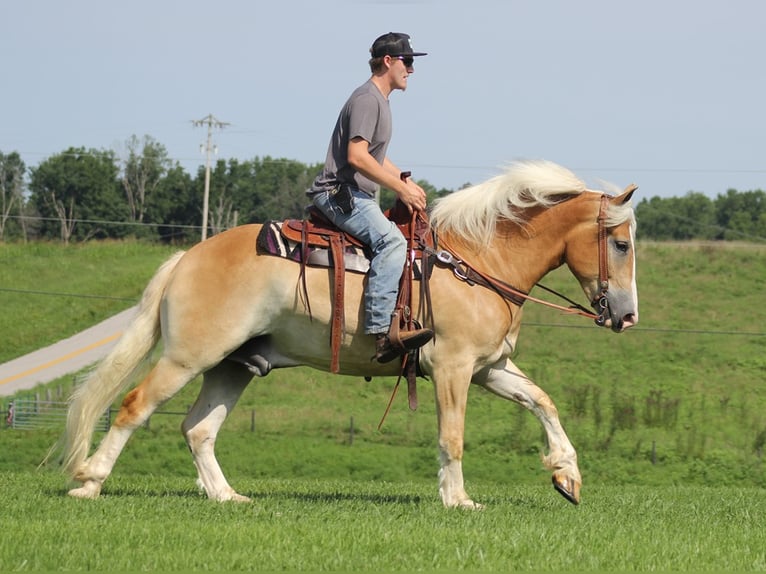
(325, 497)
(307, 497)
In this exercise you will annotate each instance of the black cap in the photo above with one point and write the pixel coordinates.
(393, 44)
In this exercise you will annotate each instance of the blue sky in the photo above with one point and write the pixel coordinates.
(668, 94)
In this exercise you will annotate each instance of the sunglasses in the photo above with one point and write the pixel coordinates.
(408, 61)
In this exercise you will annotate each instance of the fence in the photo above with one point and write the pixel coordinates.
(27, 414)
(30, 414)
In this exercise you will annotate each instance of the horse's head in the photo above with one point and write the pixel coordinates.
(600, 252)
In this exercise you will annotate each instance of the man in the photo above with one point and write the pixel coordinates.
(355, 168)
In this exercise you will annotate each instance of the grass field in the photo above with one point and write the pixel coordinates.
(152, 523)
(669, 420)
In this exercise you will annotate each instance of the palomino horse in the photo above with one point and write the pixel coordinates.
(221, 301)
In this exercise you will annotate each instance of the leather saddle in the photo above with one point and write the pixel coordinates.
(317, 231)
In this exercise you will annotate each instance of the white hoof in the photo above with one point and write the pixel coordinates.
(89, 489)
(231, 495)
(470, 505)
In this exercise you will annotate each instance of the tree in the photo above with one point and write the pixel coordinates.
(280, 188)
(677, 219)
(77, 195)
(258, 190)
(173, 208)
(742, 214)
(12, 170)
(142, 170)
(222, 215)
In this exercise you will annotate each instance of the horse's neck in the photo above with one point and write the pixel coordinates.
(539, 246)
(519, 255)
(504, 259)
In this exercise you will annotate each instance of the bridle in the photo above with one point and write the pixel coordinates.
(469, 274)
(600, 301)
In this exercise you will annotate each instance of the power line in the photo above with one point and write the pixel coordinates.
(714, 170)
(526, 324)
(59, 294)
(653, 330)
(106, 222)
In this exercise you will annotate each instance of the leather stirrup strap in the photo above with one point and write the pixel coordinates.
(338, 325)
(425, 309)
(409, 361)
(304, 258)
(393, 330)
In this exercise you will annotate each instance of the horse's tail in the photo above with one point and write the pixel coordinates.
(104, 384)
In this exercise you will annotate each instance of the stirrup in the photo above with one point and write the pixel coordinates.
(385, 351)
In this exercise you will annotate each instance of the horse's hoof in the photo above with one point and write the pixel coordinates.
(567, 487)
(90, 489)
(468, 504)
(231, 495)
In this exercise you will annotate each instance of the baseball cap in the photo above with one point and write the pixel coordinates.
(393, 44)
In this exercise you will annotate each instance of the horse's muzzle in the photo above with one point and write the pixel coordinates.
(612, 313)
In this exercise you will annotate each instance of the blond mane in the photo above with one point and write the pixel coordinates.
(472, 213)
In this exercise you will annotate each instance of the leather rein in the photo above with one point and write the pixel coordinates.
(465, 272)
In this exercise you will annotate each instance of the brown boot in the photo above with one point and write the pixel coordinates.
(410, 340)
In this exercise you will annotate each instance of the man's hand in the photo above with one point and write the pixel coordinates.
(412, 195)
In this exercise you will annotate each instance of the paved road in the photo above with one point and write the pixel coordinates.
(64, 357)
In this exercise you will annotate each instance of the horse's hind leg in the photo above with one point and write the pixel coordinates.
(507, 381)
(221, 389)
(162, 382)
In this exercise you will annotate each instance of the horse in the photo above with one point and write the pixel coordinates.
(220, 302)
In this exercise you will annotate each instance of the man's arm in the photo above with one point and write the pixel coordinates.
(386, 175)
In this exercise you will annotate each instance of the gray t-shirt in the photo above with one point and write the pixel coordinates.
(366, 114)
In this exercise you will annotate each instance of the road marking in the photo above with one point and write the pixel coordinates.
(60, 359)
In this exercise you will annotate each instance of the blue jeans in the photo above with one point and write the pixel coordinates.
(367, 223)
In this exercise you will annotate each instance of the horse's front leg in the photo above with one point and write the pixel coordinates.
(451, 388)
(507, 381)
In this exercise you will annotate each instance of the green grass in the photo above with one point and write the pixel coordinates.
(50, 291)
(153, 523)
(669, 420)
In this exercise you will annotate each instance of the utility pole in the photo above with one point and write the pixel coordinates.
(211, 122)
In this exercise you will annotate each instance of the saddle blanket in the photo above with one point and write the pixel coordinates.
(271, 241)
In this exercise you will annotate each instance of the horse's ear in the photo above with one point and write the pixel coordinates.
(625, 196)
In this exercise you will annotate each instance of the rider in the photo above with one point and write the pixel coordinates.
(355, 168)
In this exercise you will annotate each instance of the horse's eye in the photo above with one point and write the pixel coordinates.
(622, 246)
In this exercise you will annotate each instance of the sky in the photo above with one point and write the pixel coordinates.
(667, 94)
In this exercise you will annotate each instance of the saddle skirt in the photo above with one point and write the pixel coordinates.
(278, 238)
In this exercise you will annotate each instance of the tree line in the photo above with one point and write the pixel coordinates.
(81, 194)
